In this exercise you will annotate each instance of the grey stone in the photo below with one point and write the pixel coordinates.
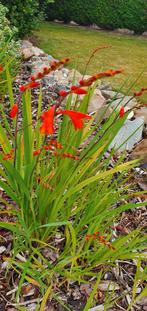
(73, 23)
(142, 302)
(50, 58)
(25, 44)
(142, 112)
(130, 128)
(96, 102)
(108, 94)
(124, 101)
(144, 34)
(94, 26)
(27, 53)
(97, 308)
(38, 52)
(125, 31)
(105, 86)
(58, 21)
(74, 75)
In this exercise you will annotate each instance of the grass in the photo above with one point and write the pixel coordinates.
(79, 42)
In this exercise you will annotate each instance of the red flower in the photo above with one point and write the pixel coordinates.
(77, 117)
(28, 86)
(36, 152)
(47, 118)
(141, 92)
(63, 93)
(122, 112)
(1, 68)
(14, 111)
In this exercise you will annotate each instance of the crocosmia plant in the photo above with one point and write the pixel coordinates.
(60, 189)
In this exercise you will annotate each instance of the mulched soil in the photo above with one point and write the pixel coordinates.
(73, 295)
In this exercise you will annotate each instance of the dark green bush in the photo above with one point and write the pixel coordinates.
(109, 14)
(25, 14)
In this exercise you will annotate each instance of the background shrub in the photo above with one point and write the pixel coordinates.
(9, 48)
(109, 14)
(26, 14)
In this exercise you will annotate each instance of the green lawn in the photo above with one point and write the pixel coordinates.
(79, 42)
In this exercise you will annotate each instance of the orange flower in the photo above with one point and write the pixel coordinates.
(56, 144)
(36, 152)
(122, 112)
(14, 111)
(28, 86)
(74, 90)
(65, 155)
(47, 117)
(107, 73)
(100, 238)
(54, 65)
(76, 117)
(141, 92)
(77, 90)
(8, 156)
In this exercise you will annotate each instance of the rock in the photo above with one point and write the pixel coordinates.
(105, 86)
(108, 286)
(108, 94)
(140, 150)
(61, 77)
(125, 132)
(97, 308)
(96, 102)
(142, 112)
(58, 21)
(30, 51)
(25, 44)
(27, 53)
(2, 249)
(73, 23)
(38, 52)
(144, 34)
(142, 302)
(125, 31)
(103, 113)
(50, 58)
(126, 101)
(37, 66)
(145, 131)
(74, 75)
(94, 26)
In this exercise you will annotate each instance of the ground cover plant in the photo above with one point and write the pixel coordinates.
(126, 52)
(61, 191)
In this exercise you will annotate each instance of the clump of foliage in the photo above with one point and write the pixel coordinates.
(25, 15)
(9, 47)
(109, 14)
(62, 188)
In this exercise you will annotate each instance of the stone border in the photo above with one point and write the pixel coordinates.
(122, 31)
